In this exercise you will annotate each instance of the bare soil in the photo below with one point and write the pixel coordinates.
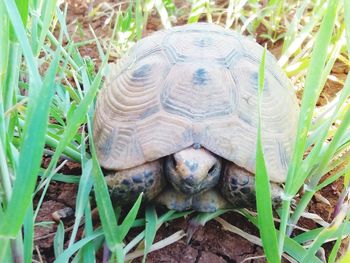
(210, 243)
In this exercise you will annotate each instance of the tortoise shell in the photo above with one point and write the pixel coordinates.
(195, 84)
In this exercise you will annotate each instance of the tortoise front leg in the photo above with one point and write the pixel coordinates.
(238, 187)
(126, 185)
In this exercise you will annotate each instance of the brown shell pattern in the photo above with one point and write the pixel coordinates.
(195, 84)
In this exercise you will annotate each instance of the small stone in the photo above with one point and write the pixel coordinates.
(62, 213)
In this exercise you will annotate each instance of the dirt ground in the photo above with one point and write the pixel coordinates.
(210, 243)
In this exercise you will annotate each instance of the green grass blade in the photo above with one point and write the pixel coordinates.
(5, 252)
(11, 84)
(151, 229)
(58, 241)
(71, 179)
(5, 179)
(129, 220)
(103, 200)
(84, 189)
(297, 251)
(262, 186)
(4, 46)
(347, 23)
(64, 257)
(334, 252)
(229, 16)
(22, 7)
(293, 26)
(202, 218)
(4, 60)
(138, 18)
(28, 231)
(47, 13)
(334, 177)
(198, 7)
(88, 253)
(344, 229)
(163, 13)
(20, 32)
(105, 208)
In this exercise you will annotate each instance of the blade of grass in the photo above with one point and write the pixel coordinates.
(71, 179)
(159, 245)
(104, 204)
(313, 233)
(347, 23)
(202, 218)
(4, 60)
(129, 220)
(341, 234)
(58, 241)
(47, 13)
(84, 189)
(5, 173)
(262, 185)
(64, 257)
(19, 30)
(150, 231)
(88, 249)
(138, 19)
(28, 230)
(198, 7)
(4, 44)
(293, 26)
(163, 13)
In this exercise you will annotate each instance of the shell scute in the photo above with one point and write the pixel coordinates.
(198, 91)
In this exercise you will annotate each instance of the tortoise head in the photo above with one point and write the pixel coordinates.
(193, 170)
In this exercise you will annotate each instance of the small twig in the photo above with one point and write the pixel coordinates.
(39, 254)
(255, 257)
(156, 246)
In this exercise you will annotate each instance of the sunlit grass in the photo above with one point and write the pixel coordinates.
(47, 95)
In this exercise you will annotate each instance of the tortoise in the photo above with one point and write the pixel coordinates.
(177, 120)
